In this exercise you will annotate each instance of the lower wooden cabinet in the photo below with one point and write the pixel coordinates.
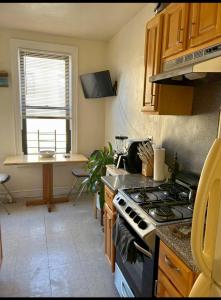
(165, 288)
(175, 279)
(109, 220)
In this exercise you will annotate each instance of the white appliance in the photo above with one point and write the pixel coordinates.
(206, 226)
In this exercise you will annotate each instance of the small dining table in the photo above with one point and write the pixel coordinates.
(47, 173)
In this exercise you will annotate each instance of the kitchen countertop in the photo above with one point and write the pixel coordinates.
(127, 181)
(180, 246)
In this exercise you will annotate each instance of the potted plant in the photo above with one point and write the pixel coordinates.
(96, 166)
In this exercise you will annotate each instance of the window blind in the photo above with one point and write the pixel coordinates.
(44, 84)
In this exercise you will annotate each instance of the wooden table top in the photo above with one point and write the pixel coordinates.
(37, 159)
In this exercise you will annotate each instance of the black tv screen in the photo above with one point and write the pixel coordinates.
(97, 85)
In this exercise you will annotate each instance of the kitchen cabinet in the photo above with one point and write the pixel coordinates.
(175, 279)
(204, 23)
(152, 62)
(157, 98)
(188, 27)
(109, 220)
(164, 287)
(175, 28)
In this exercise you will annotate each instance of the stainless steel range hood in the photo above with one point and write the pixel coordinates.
(191, 69)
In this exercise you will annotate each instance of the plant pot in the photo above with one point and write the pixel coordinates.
(98, 200)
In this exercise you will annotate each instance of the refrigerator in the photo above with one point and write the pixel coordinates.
(206, 226)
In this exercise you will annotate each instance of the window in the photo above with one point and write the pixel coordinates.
(45, 101)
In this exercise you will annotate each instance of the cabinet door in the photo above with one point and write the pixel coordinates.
(164, 287)
(175, 29)
(109, 196)
(205, 22)
(176, 270)
(107, 232)
(152, 62)
(109, 219)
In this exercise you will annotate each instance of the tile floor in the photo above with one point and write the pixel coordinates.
(57, 254)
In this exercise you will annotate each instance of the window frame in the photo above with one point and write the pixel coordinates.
(15, 44)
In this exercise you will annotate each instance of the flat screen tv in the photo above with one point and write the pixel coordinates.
(97, 85)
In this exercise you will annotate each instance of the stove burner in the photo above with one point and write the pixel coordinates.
(141, 196)
(163, 212)
(168, 202)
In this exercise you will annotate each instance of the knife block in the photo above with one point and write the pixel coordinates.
(147, 169)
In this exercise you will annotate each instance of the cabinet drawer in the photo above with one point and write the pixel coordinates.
(177, 272)
(165, 287)
(109, 196)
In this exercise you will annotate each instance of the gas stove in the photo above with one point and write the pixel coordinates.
(145, 208)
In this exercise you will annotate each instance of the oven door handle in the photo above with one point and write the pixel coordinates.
(142, 250)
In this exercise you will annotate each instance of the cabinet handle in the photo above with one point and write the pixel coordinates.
(170, 264)
(191, 30)
(178, 35)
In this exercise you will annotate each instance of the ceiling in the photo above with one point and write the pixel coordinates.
(95, 21)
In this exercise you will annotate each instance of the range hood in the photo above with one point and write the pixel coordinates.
(191, 69)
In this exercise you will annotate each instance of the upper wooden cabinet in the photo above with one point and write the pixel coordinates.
(175, 29)
(204, 23)
(157, 98)
(152, 62)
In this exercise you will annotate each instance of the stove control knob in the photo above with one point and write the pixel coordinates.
(132, 214)
(128, 209)
(142, 225)
(137, 219)
(122, 202)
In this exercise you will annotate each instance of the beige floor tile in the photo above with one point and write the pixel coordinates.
(59, 254)
(32, 284)
(68, 281)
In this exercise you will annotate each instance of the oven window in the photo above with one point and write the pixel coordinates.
(139, 275)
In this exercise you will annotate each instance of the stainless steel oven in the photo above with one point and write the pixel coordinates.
(139, 276)
(141, 210)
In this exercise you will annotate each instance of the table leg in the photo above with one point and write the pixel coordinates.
(47, 174)
(48, 184)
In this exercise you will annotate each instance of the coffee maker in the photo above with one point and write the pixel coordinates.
(131, 161)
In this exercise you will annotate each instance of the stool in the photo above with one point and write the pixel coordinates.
(78, 174)
(3, 179)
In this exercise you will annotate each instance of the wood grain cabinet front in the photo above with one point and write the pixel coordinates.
(165, 288)
(152, 63)
(175, 279)
(109, 220)
(161, 99)
(175, 29)
(204, 23)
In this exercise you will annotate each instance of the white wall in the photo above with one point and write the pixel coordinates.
(92, 57)
(189, 136)
(126, 60)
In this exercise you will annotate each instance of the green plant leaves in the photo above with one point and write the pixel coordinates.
(96, 166)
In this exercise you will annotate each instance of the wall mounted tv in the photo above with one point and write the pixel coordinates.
(97, 85)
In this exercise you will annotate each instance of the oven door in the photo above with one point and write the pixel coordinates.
(139, 275)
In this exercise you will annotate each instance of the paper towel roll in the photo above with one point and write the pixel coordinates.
(158, 167)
